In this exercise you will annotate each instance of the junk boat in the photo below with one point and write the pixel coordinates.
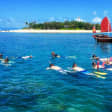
(105, 27)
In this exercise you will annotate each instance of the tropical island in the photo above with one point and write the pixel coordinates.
(57, 27)
(66, 25)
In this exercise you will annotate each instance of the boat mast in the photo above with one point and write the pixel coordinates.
(108, 28)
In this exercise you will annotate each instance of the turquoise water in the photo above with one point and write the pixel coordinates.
(26, 85)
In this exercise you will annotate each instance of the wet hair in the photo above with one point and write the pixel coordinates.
(51, 65)
(74, 65)
(6, 60)
(93, 63)
(53, 53)
(94, 55)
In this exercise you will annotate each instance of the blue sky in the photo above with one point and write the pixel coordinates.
(15, 12)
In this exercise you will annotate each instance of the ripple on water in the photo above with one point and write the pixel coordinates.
(26, 85)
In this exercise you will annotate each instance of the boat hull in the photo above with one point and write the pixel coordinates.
(102, 38)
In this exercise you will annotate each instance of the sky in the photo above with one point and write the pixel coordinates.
(14, 13)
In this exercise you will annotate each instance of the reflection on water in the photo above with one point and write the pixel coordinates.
(104, 46)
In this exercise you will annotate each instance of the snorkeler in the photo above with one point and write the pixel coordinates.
(6, 60)
(97, 65)
(94, 65)
(1, 56)
(26, 57)
(76, 68)
(95, 57)
(53, 67)
(107, 61)
(55, 55)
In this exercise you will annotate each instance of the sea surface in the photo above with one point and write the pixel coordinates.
(26, 85)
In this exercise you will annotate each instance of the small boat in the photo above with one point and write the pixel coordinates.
(105, 27)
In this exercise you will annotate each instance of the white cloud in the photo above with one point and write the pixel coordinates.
(96, 20)
(11, 22)
(94, 13)
(105, 12)
(79, 19)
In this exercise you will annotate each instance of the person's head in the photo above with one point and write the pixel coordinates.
(6, 60)
(51, 65)
(93, 63)
(53, 53)
(97, 59)
(94, 55)
(74, 65)
(31, 56)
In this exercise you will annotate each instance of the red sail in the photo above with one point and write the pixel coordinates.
(105, 25)
(94, 29)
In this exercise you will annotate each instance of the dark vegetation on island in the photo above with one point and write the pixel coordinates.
(66, 25)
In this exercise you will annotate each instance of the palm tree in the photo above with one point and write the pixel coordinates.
(26, 23)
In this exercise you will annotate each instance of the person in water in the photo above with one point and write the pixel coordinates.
(107, 61)
(95, 57)
(1, 56)
(54, 55)
(94, 65)
(76, 68)
(53, 67)
(97, 65)
(26, 57)
(74, 65)
(6, 60)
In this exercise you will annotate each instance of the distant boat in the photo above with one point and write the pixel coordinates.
(94, 29)
(105, 27)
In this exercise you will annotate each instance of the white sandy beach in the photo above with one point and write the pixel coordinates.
(49, 31)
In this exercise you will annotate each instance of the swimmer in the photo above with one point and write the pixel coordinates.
(97, 66)
(26, 57)
(94, 65)
(53, 67)
(107, 61)
(95, 57)
(55, 55)
(6, 60)
(1, 56)
(76, 68)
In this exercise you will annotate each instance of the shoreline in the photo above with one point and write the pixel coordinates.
(50, 31)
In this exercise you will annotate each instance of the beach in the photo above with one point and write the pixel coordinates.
(50, 31)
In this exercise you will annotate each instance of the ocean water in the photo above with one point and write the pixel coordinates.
(26, 85)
